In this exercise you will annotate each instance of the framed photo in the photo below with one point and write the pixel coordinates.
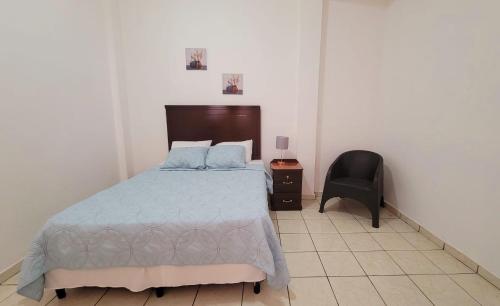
(196, 59)
(232, 84)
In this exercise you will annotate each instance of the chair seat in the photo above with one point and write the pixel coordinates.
(354, 183)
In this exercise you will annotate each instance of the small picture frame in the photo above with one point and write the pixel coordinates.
(232, 84)
(196, 59)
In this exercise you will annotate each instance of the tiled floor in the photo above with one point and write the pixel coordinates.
(335, 258)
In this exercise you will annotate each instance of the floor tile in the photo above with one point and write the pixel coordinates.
(345, 225)
(420, 242)
(178, 296)
(480, 289)
(18, 300)
(14, 280)
(310, 204)
(392, 241)
(414, 262)
(339, 214)
(296, 243)
(360, 212)
(355, 291)
(313, 214)
(378, 263)
(399, 290)
(5, 291)
(400, 226)
(267, 296)
(441, 290)
(314, 291)
(304, 264)
(386, 214)
(80, 297)
(292, 226)
(329, 242)
(289, 215)
(219, 295)
(383, 226)
(320, 226)
(410, 222)
(340, 264)
(361, 242)
(272, 214)
(124, 297)
(336, 204)
(446, 262)
(275, 225)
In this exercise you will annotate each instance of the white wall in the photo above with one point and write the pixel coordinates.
(441, 77)
(261, 39)
(350, 95)
(418, 82)
(57, 142)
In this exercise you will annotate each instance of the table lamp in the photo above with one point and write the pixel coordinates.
(281, 144)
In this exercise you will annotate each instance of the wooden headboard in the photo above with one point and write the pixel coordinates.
(217, 122)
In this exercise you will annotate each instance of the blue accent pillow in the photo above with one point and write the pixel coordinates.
(186, 158)
(224, 157)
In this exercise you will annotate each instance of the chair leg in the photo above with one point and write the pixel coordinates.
(374, 209)
(61, 293)
(382, 202)
(324, 198)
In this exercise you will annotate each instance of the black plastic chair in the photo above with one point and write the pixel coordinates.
(357, 175)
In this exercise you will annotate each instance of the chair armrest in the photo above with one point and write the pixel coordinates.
(378, 177)
(334, 171)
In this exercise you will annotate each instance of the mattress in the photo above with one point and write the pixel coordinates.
(140, 278)
(163, 218)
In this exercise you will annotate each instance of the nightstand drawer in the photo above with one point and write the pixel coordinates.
(287, 181)
(286, 201)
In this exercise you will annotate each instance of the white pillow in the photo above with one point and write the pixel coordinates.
(247, 144)
(190, 144)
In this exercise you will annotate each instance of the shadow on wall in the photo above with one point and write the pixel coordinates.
(376, 3)
(389, 191)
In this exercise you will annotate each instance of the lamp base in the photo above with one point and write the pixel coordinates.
(281, 162)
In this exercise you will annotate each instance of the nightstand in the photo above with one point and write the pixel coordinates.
(287, 185)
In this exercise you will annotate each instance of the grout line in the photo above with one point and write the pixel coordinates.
(50, 301)
(464, 289)
(149, 296)
(8, 296)
(103, 294)
(320, 261)
(196, 294)
(243, 293)
(419, 289)
(359, 264)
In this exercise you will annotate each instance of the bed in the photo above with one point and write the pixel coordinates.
(167, 228)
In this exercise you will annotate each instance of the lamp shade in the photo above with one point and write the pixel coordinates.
(282, 142)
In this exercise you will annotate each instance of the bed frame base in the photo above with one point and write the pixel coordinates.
(61, 293)
(159, 292)
(256, 288)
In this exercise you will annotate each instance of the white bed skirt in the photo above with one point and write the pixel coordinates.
(138, 279)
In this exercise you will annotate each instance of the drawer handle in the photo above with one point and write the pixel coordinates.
(288, 183)
(287, 201)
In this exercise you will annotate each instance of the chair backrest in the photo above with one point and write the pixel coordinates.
(360, 164)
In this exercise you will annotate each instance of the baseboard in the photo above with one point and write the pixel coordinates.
(10, 271)
(308, 196)
(490, 277)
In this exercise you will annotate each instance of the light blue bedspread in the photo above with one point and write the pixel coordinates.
(162, 218)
